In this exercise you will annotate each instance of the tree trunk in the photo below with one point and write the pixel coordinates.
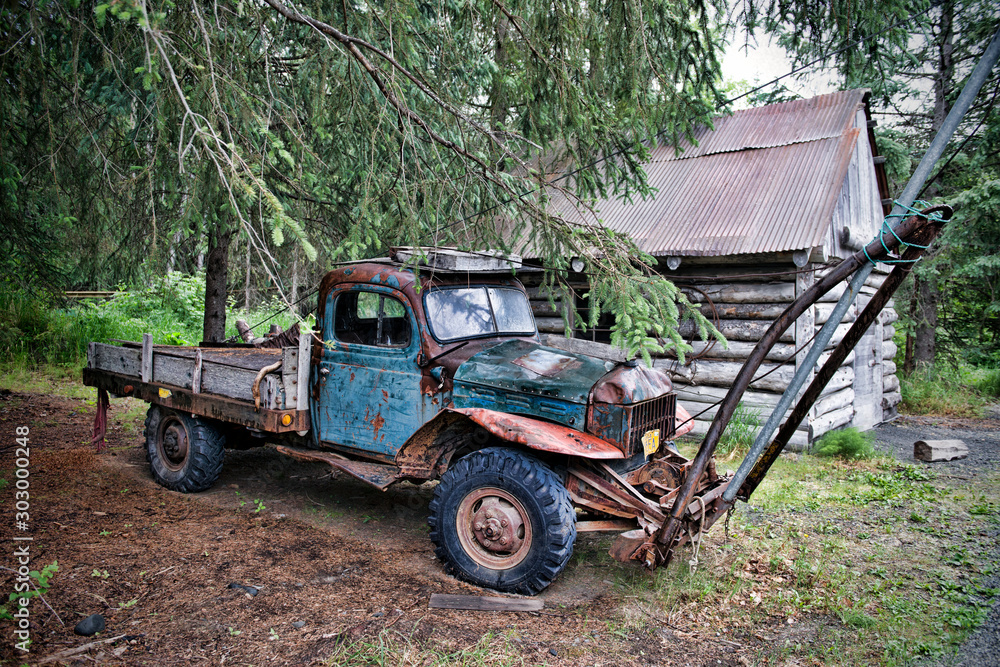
(921, 348)
(295, 280)
(498, 98)
(925, 323)
(246, 282)
(908, 362)
(946, 66)
(216, 279)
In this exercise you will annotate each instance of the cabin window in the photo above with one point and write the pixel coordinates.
(601, 333)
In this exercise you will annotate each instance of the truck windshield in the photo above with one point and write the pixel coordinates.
(467, 312)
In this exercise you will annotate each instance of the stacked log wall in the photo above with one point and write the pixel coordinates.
(743, 305)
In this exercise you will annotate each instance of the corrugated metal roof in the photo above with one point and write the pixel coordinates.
(765, 180)
(781, 124)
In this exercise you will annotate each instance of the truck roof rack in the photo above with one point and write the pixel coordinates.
(452, 259)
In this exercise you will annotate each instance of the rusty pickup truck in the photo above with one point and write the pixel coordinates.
(426, 373)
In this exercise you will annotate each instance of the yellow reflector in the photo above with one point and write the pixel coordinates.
(164, 393)
(286, 420)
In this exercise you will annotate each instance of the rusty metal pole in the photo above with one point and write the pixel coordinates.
(902, 205)
(661, 546)
(923, 237)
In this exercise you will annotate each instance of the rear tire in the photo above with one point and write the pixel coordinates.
(503, 520)
(185, 453)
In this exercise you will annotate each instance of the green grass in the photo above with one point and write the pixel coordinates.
(740, 432)
(391, 648)
(986, 381)
(942, 390)
(848, 444)
(20, 375)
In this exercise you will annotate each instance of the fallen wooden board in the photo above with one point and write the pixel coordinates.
(939, 450)
(481, 603)
(68, 653)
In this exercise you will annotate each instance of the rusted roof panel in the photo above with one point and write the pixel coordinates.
(766, 180)
(782, 124)
(761, 200)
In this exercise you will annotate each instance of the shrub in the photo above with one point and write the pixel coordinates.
(36, 329)
(940, 390)
(740, 432)
(988, 382)
(849, 444)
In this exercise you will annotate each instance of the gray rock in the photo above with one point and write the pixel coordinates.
(249, 590)
(90, 626)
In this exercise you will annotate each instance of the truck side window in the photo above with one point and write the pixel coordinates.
(369, 318)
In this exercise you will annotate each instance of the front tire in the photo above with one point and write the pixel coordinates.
(503, 520)
(185, 453)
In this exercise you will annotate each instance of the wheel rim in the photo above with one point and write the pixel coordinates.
(172, 443)
(494, 528)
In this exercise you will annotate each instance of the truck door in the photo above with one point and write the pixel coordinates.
(369, 383)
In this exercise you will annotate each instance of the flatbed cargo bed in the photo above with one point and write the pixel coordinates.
(261, 388)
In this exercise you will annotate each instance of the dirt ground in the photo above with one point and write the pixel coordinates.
(335, 562)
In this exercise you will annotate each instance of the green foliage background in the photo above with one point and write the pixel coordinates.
(138, 131)
(35, 330)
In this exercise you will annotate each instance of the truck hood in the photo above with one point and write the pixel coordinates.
(519, 366)
(523, 367)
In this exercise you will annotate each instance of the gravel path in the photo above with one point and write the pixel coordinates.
(982, 436)
(982, 649)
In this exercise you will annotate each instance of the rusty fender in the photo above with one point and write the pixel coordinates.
(428, 451)
(540, 435)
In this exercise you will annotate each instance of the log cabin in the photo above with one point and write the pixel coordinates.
(743, 220)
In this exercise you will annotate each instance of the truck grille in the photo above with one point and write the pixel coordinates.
(657, 413)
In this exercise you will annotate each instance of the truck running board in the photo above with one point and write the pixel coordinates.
(379, 475)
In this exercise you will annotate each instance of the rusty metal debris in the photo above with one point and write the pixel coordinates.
(379, 475)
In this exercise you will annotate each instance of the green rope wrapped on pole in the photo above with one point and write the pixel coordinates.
(887, 227)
